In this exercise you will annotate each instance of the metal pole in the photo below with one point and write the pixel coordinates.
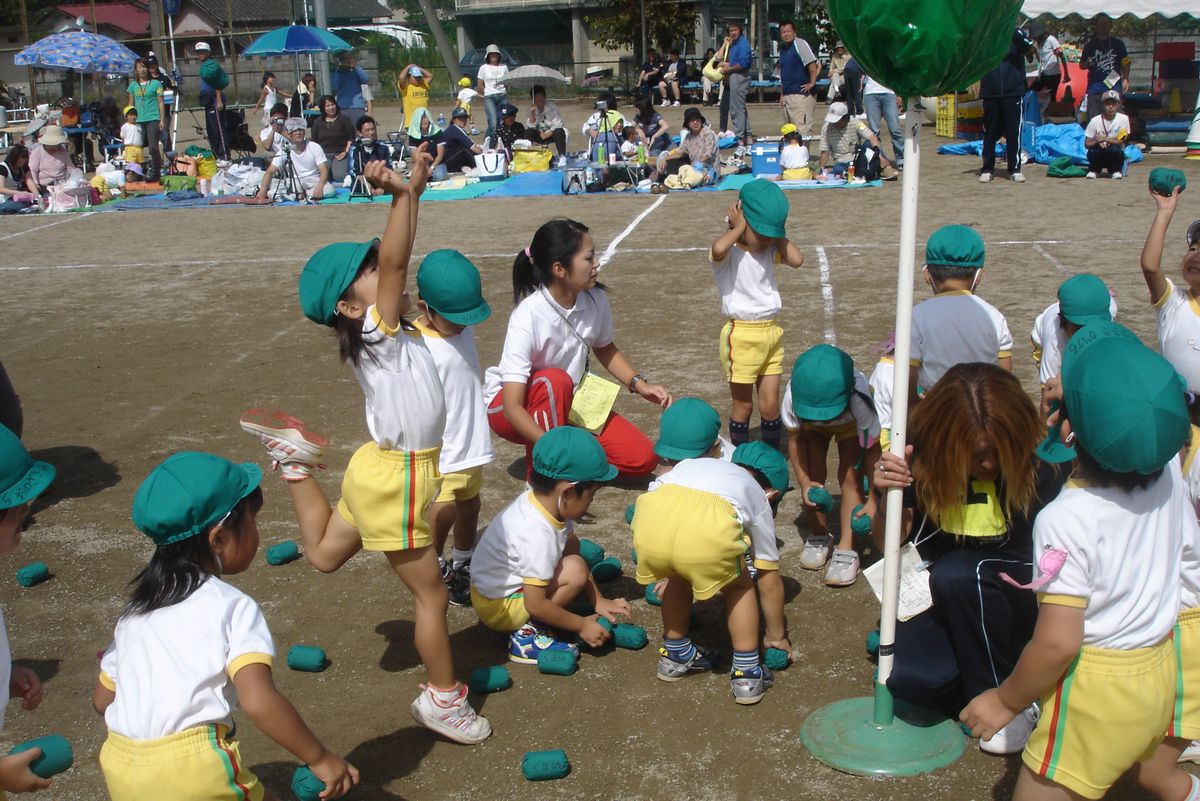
(92, 5)
(323, 62)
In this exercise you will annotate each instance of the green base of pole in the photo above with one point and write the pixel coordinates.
(845, 736)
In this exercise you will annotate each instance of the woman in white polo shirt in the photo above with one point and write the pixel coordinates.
(562, 316)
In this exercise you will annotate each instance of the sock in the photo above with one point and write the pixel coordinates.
(770, 432)
(447, 697)
(459, 558)
(739, 433)
(681, 650)
(746, 661)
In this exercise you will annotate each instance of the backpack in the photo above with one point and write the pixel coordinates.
(574, 182)
(866, 162)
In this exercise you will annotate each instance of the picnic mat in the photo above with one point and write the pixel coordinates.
(529, 184)
(147, 202)
(1049, 142)
(455, 189)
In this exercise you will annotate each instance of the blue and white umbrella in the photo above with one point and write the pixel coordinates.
(295, 39)
(78, 50)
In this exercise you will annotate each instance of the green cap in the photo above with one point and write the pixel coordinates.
(327, 275)
(765, 207)
(767, 460)
(955, 246)
(1163, 181)
(571, 454)
(189, 492)
(822, 380)
(1084, 299)
(21, 478)
(687, 430)
(449, 284)
(1126, 403)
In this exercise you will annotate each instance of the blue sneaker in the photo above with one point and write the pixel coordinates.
(749, 686)
(527, 642)
(670, 669)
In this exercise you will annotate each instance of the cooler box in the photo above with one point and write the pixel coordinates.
(764, 158)
(1174, 51)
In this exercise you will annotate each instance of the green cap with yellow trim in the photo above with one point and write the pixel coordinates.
(190, 492)
(327, 275)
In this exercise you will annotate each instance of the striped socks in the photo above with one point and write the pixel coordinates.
(747, 662)
(681, 650)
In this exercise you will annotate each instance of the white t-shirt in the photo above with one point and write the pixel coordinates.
(276, 141)
(734, 484)
(466, 95)
(307, 162)
(955, 327)
(5, 667)
(793, 157)
(131, 134)
(882, 379)
(1098, 126)
(1049, 59)
(1049, 340)
(746, 281)
(522, 545)
(861, 411)
(492, 76)
(406, 405)
(1122, 557)
(874, 87)
(173, 668)
(539, 337)
(1190, 564)
(1179, 332)
(468, 441)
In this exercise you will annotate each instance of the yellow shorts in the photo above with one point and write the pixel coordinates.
(134, 154)
(797, 174)
(500, 614)
(197, 764)
(1109, 711)
(838, 433)
(885, 439)
(685, 532)
(751, 349)
(461, 485)
(386, 495)
(1185, 719)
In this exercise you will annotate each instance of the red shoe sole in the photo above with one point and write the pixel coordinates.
(273, 421)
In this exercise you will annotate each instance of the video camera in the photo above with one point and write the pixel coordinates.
(601, 105)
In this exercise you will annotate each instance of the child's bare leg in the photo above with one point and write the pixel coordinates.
(442, 516)
(813, 448)
(329, 541)
(1031, 787)
(849, 452)
(466, 524)
(741, 613)
(418, 569)
(768, 409)
(739, 413)
(1161, 774)
(676, 609)
(569, 580)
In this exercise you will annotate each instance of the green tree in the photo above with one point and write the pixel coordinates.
(1079, 29)
(619, 24)
(10, 13)
(414, 17)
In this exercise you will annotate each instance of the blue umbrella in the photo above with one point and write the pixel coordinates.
(77, 50)
(296, 39)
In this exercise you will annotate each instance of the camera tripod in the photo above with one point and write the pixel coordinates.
(287, 182)
(360, 189)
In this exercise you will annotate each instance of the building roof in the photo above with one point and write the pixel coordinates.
(131, 18)
(253, 13)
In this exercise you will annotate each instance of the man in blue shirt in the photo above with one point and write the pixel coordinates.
(348, 82)
(798, 68)
(736, 69)
(1107, 62)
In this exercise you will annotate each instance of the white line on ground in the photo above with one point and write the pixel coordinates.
(1058, 265)
(612, 246)
(77, 216)
(827, 296)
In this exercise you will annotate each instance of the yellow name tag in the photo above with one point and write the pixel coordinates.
(594, 399)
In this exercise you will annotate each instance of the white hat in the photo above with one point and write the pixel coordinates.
(53, 135)
(491, 49)
(1111, 94)
(836, 112)
(202, 47)
(292, 124)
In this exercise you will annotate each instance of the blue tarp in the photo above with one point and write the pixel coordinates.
(1050, 142)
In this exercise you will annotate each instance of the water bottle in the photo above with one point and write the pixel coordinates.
(641, 154)
(441, 119)
(600, 151)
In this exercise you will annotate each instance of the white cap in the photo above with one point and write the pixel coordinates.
(491, 49)
(202, 47)
(836, 112)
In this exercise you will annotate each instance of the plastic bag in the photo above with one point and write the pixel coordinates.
(531, 160)
(926, 47)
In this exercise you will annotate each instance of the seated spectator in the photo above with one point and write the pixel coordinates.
(423, 131)
(460, 149)
(603, 127)
(650, 75)
(546, 122)
(308, 160)
(1105, 138)
(16, 180)
(840, 138)
(51, 163)
(631, 138)
(694, 162)
(508, 130)
(674, 76)
(367, 148)
(655, 131)
(273, 136)
(793, 155)
(334, 132)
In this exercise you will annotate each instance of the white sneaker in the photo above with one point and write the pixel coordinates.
(1090, 175)
(293, 448)
(740, 151)
(860, 117)
(455, 720)
(1012, 738)
(1116, 176)
(1191, 753)
(676, 103)
(816, 552)
(985, 177)
(665, 103)
(1018, 177)
(843, 568)
(562, 161)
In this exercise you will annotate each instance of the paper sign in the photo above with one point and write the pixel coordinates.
(915, 597)
(594, 399)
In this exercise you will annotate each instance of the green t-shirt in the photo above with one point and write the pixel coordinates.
(145, 99)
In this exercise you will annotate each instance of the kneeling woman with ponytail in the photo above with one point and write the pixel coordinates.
(562, 316)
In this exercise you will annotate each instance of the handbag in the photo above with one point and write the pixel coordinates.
(531, 160)
(491, 166)
(710, 69)
(573, 182)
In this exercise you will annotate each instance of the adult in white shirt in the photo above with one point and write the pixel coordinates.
(1105, 137)
(546, 120)
(1052, 65)
(491, 85)
(881, 103)
(273, 137)
(308, 161)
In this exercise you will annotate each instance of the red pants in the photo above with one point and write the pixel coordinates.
(548, 400)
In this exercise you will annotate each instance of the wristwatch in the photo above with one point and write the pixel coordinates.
(633, 382)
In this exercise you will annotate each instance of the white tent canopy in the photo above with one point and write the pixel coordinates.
(1114, 8)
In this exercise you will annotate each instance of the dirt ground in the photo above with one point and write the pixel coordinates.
(133, 335)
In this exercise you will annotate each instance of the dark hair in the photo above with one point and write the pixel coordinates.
(736, 23)
(14, 153)
(279, 108)
(331, 99)
(788, 23)
(351, 344)
(537, 89)
(179, 569)
(363, 120)
(266, 77)
(674, 51)
(543, 483)
(709, 53)
(1099, 476)
(610, 98)
(141, 61)
(557, 240)
(308, 76)
(645, 109)
(761, 479)
(944, 272)
(629, 133)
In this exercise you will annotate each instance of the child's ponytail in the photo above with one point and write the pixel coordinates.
(556, 241)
